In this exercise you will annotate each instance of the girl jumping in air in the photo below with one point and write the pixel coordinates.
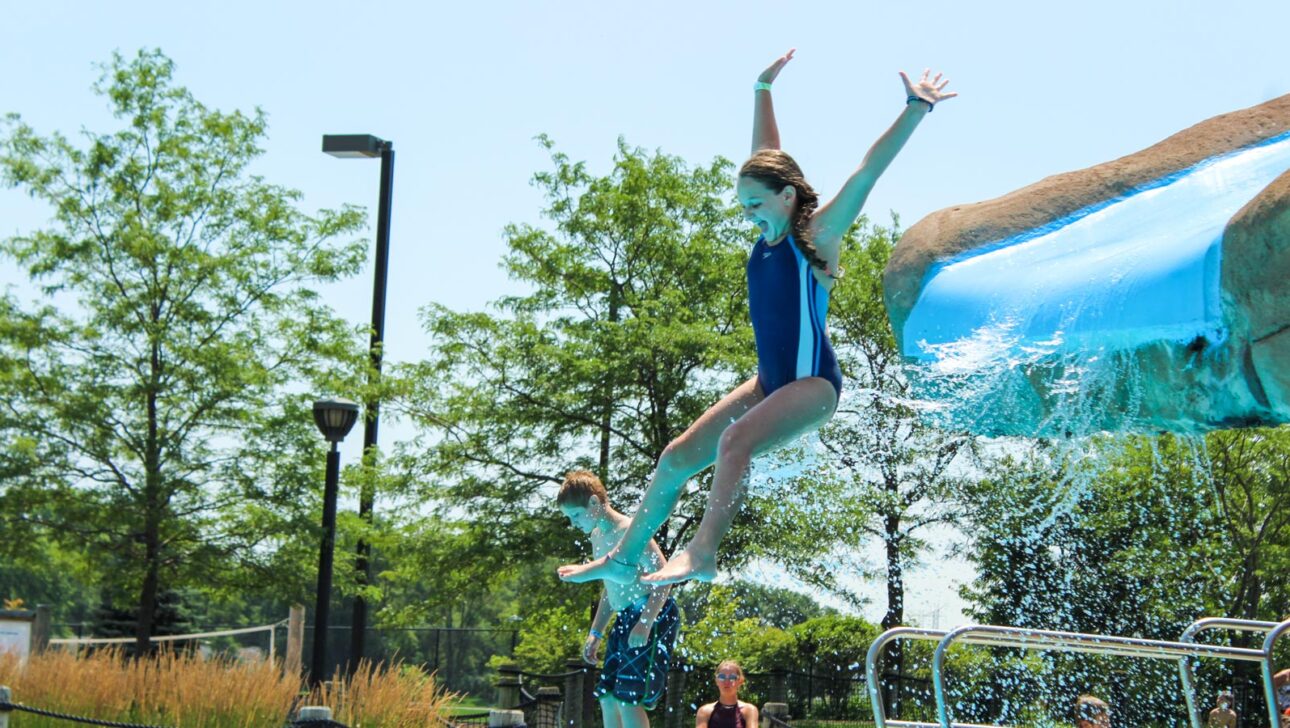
(791, 270)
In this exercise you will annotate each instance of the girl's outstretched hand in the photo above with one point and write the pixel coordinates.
(772, 71)
(932, 91)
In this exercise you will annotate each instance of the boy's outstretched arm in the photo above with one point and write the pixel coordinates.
(652, 561)
(765, 133)
(597, 631)
(835, 218)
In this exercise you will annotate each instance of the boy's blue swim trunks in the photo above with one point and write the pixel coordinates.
(637, 676)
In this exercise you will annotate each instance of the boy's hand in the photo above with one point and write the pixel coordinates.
(639, 636)
(590, 648)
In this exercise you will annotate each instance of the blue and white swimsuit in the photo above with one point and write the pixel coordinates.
(788, 307)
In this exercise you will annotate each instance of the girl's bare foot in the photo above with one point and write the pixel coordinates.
(683, 567)
(605, 568)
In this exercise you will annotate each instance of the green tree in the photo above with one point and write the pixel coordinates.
(720, 633)
(40, 572)
(768, 605)
(149, 416)
(894, 472)
(834, 642)
(1132, 536)
(550, 637)
(1250, 474)
(444, 573)
(833, 647)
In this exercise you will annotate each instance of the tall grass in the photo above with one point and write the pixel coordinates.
(185, 691)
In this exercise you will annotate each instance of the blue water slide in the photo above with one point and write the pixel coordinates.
(1140, 268)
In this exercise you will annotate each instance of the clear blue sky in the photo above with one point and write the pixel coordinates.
(462, 88)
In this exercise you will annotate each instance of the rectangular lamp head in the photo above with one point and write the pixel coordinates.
(352, 145)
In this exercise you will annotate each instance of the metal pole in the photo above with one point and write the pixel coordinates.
(362, 565)
(1269, 690)
(810, 688)
(322, 606)
(1186, 669)
(1187, 674)
(875, 654)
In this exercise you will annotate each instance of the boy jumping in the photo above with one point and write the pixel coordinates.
(639, 647)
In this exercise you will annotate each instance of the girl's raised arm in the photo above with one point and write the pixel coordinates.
(765, 133)
(833, 220)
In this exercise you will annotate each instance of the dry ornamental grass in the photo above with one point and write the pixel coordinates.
(184, 691)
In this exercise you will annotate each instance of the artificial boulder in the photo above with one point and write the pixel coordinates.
(1147, 293)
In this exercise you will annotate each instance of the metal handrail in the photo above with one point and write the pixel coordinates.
(917, 633)
(1075, 642)
(1208, 623)
(918, 724)
(1032, 639)
(1188, 674)
(871, 671)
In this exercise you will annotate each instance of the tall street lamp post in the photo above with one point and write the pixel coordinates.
(335, 418)
(348, 146)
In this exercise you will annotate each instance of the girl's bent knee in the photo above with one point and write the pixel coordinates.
(734, 445)
(677, 460)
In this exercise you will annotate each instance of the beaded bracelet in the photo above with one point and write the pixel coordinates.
(912, 99)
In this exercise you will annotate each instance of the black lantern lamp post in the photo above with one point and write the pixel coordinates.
(350, 146)
(335, 418)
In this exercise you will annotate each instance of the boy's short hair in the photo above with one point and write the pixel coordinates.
(578, 486)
